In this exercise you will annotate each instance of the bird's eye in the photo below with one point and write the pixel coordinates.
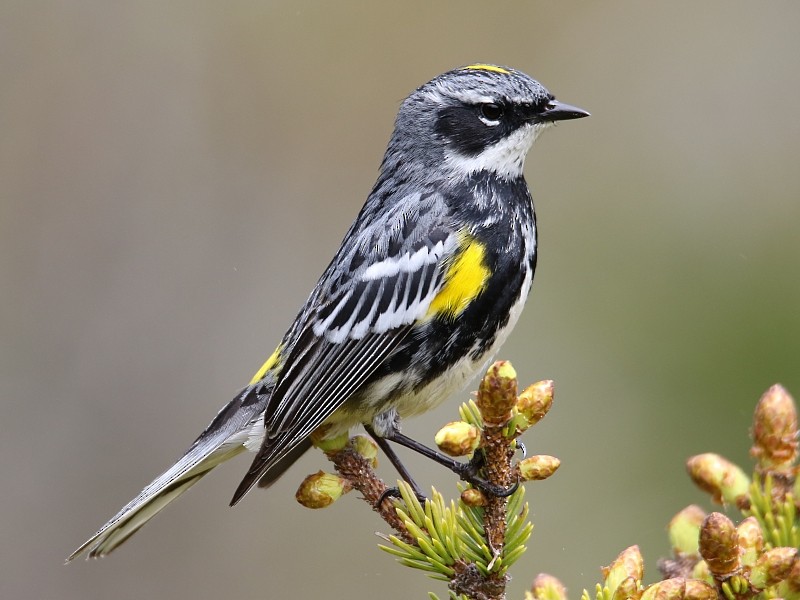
(491, 111)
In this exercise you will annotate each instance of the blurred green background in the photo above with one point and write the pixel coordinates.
(174, 177)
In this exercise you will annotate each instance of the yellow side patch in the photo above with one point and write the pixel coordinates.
(465, 279)
(271, 362)
(493, 68)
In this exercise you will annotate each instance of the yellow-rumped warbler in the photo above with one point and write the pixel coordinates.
(427, 284)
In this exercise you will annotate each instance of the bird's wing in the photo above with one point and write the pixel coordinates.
(383, 281)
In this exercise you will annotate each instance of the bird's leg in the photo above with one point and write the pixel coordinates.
(467, 471)
(401, 468)
(388, 429)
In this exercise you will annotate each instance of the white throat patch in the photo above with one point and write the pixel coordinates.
(505, 158)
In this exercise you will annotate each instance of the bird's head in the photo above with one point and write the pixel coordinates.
(476, 118)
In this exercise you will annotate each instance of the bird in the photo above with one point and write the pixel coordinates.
(425, 287)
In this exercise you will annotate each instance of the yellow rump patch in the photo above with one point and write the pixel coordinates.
(271, 362)
(493, 68)
(465, 279)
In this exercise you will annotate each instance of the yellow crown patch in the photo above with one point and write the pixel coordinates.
(493, 68)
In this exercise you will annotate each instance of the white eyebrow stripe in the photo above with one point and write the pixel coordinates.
(471, 97)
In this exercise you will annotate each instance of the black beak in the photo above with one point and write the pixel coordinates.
(558, 111)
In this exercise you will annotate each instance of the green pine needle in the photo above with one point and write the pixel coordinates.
(778, 520)
(469, 413)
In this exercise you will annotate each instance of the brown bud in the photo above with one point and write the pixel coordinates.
(535, 401)
(794, 578)
(668, 589)
(538, 467)
(629, 563)
(726, 482)
(772, 567)
(699, 590)
(775, 430)
(684, 530)
(320, 438)
(751, 541)
(547, 587)
(497, 394)
(458, 438)
(627, 588)
(474, 497)
(366, 447)
(719, 545)
(321, 489)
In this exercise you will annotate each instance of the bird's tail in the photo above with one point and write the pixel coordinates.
(237, 427)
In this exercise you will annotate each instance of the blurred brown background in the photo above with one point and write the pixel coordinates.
(174, 177)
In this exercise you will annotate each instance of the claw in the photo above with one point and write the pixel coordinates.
(391, 492)
(506, 492)
(469, 472)
(522, 449)
(394, 492)
(487, 487)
